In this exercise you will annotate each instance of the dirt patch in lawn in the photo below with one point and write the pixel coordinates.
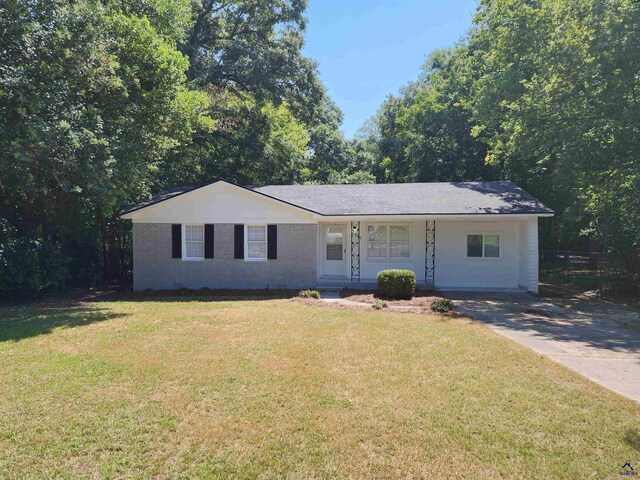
(344, 304)
(364, 301)
(420, 299)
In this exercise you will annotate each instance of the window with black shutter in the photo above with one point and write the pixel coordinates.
(208, 240)
(272, 242)
(176, 241)
(238, 241)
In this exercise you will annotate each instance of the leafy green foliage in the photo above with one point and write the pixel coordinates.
(397, 284)
(442, 305)
(309, 294)
(28, 267)
(104, 103)
(92, 96)
(542, 93)
(248, 56)
(425, 134)
(379, 304)
(556, 100)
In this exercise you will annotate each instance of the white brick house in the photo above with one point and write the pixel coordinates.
(472, 235)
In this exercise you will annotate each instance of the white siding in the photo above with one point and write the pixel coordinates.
(516, 268)
(221, 203)
(523, 235)
(369, 268)
(533, 255)
(455, 270)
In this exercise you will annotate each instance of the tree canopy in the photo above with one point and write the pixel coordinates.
(544, 93)
(105, 102)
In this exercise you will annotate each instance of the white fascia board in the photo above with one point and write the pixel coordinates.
(244, 220)
(478, 217)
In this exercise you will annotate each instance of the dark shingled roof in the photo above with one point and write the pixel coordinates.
(164, 195)
(409, 198)
(456, 198)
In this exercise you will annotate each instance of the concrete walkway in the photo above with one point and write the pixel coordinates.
(586, 336)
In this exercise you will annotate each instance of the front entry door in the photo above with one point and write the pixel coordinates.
(335, 250)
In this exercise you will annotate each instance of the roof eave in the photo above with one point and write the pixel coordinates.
(419, 216)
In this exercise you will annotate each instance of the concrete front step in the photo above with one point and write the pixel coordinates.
(330, 288)
(330, 294)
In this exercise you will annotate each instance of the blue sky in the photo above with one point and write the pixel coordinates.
(369, 49)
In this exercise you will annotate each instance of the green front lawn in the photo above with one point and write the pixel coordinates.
(194, 387)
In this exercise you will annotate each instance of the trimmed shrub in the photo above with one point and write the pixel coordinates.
(442, 305)
(397, 284)
(309, 294)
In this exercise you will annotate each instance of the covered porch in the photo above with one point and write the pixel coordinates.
(447, 252)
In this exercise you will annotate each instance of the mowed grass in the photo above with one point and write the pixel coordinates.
(192, 387)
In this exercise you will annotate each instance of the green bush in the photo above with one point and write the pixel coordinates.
(380, 304)
(397, 284)
(442, 305)
(30, 268)
(309, 294)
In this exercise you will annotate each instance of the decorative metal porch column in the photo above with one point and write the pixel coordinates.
(355, 251)
(430, 254)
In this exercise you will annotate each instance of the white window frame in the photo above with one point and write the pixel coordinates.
(184, 242)
(246, 242)
(388, 257)
(483, 258)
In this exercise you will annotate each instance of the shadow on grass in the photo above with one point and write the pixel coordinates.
(185, 295)
(632, 437)
(20, 323)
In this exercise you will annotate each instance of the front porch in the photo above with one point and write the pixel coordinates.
(340, 283)
(351, 253)
(440, 251)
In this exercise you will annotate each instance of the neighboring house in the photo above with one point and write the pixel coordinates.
(473, 235)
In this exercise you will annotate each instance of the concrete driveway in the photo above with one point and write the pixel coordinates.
(585, 335)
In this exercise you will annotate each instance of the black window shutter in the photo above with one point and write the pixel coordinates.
(272, 242)
(208, 240)
(238, 241)
(176, 241)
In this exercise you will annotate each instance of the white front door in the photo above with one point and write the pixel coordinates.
(335, 250)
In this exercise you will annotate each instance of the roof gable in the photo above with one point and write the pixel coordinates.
(220, 200)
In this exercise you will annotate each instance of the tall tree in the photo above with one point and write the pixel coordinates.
(425, 133)
(104, 102)
(557, 100)
(544, 93)
(91, 98)
(247, 54)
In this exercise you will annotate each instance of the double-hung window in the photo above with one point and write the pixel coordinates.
(194, 242)
(483, 246)
(377, 237)
(256, 242)
(388, 241)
